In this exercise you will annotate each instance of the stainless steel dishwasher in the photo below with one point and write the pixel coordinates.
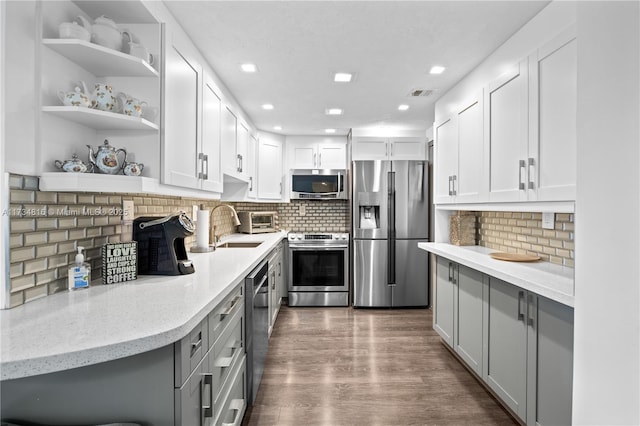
(256, 326)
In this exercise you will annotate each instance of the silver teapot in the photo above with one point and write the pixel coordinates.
(106, 158)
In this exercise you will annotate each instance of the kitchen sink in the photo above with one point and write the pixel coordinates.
(239, 245)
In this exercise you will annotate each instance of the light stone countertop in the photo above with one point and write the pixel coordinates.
(553, 281)
(107, 322)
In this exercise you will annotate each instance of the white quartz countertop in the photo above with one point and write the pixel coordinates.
(546, 279)
(106, 322)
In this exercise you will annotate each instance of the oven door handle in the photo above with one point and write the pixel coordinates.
(316, 248)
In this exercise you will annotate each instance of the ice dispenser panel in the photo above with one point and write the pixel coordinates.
(369, 210)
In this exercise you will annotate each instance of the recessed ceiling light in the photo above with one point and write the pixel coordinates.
(329, 130)
(437, 69)
(249, 67)
(333, 111)
(342, 77)
(403, 107)
(267, 106)
(277, 127)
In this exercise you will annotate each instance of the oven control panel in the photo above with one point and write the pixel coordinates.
(301, 237)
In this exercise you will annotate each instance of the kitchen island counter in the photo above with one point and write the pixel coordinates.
(553, 281)
(107, 322)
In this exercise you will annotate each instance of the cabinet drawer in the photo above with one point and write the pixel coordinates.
(230, 410)
(191, 399)
(220, 318)
(226, 354)
(189, 351)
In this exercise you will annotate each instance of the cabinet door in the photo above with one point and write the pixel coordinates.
(269, 169)
(506, 135)
(228, 139)
(369, 148)
(446, 161)
(192, 398)
(550, 359)
(210, 153)
(468, 333)
(506, 367)
(303, 156)
(252, 167)
(444, 303)
(180, 115)
(242, 148)
(552, 142)
(407, 149)
(469, 184)
(332, 156)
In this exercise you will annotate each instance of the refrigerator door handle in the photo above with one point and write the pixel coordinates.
(392, 227)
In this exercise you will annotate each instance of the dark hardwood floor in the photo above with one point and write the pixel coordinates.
(344, 366)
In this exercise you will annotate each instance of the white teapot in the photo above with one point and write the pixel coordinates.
(129, 105)
(104, 32)
(79, 97)
(103, 98)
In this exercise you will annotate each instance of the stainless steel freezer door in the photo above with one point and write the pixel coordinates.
(370, 284)
(411, 199)
(371, 188)
(412, 275)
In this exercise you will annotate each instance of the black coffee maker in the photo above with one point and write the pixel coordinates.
(161, 249)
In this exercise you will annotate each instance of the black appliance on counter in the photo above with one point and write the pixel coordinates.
(161, 249)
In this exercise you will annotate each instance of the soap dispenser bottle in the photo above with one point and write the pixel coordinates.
(79, 272)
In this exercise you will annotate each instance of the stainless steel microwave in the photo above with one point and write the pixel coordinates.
(318, 184)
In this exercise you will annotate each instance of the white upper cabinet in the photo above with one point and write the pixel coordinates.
(252, 167)
(242, 149)
(229, 130)
(552, 123)
(506, 107)
(469, 182)
(459, 145)
(306, 152)
(515, 140)
(446, 160)
(332, 156)
(388, 148)
(180, 113)
(269, 169)
(209, 155)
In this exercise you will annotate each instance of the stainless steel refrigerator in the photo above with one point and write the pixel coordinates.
(390, 215)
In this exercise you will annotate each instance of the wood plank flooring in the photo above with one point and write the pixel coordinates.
(345, 366)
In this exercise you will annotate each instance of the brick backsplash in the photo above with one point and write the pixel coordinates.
(517, 232)
(47, 227)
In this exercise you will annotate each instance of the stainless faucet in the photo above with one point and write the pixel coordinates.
(213, 238)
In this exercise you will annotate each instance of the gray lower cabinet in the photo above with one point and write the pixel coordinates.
(506, 369)
(550, 379)
(443, 314)
(518, 342)
(468, 336)
(197, 381)
(458, 310)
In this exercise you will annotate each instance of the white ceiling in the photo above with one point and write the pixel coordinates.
(390, 45)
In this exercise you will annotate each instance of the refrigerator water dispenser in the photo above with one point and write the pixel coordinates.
(369, 217)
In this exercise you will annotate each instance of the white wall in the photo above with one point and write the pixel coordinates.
(607, 297)
(3, 218)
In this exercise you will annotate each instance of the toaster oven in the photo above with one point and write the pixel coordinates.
(257, 222)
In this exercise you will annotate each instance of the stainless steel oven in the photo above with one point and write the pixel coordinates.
(318, 269)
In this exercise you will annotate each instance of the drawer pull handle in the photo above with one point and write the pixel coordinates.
(196, 345)
(236, 405)
(520, 308)
(207, 410)
(226, 361)
(230, 308)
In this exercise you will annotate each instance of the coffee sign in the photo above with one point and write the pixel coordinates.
(119, 262)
